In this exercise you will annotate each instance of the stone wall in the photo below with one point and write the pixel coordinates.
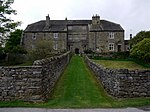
(32, 83)
(122, 83)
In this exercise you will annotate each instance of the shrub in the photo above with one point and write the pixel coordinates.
(121, 55)
(43, 49)
(142, 50)
(15, 58)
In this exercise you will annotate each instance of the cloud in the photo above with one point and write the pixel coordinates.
(131, 14)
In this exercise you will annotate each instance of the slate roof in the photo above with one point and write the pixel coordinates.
(61, 25)
(109, 26)
(36, 27)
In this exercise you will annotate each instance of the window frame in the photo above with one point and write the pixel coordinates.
(55, 35)
(111, 35)
(111, 47)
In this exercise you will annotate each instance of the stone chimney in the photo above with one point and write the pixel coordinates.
(130, 36)
(47, 21)
(66, 19)
(96, 19)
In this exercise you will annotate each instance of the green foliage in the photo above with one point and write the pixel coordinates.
(2, 54)
(13, 49)
(142, 50)
(43, 49)
(14, 38)
(6, 23)
(14, 59)
(13, 43)
(139, 37)
(120, 55)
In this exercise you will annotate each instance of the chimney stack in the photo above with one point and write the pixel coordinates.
(47, 21)
(96, 19)
(66, 19)
(130, 36)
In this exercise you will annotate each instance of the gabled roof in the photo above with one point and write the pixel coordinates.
(107, 25)
(61, 25)
(36, 27)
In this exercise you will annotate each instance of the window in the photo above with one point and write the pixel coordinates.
(111, 47)
(55, 35)
(111, 35)
(34, 36)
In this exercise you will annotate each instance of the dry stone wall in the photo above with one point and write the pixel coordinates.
(32, 83)
(122, 83)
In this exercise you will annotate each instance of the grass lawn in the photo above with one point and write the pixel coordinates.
(78, 88)
(116, 64)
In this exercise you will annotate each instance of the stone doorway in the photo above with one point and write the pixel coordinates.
(77, 51)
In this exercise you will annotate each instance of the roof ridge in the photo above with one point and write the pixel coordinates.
(111, 22)
(37, 22)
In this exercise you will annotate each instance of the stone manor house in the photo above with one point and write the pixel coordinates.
(76, 35)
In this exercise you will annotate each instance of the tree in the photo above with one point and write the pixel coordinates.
(7, 25)
(15, 52)
(139, 37)
(13, 43)
(142, 50)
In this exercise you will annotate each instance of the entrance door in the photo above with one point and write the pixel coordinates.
(76, 51)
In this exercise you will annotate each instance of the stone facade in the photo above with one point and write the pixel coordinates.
(77, 38)
(122, 83)
(76, 35)
(32, 83)
(100, 41)
(30, 39)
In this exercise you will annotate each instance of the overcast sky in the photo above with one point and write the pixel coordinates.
(133, 15)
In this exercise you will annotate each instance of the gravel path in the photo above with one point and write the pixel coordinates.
(144, 109)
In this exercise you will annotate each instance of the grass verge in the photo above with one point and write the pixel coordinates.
(120, 64)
